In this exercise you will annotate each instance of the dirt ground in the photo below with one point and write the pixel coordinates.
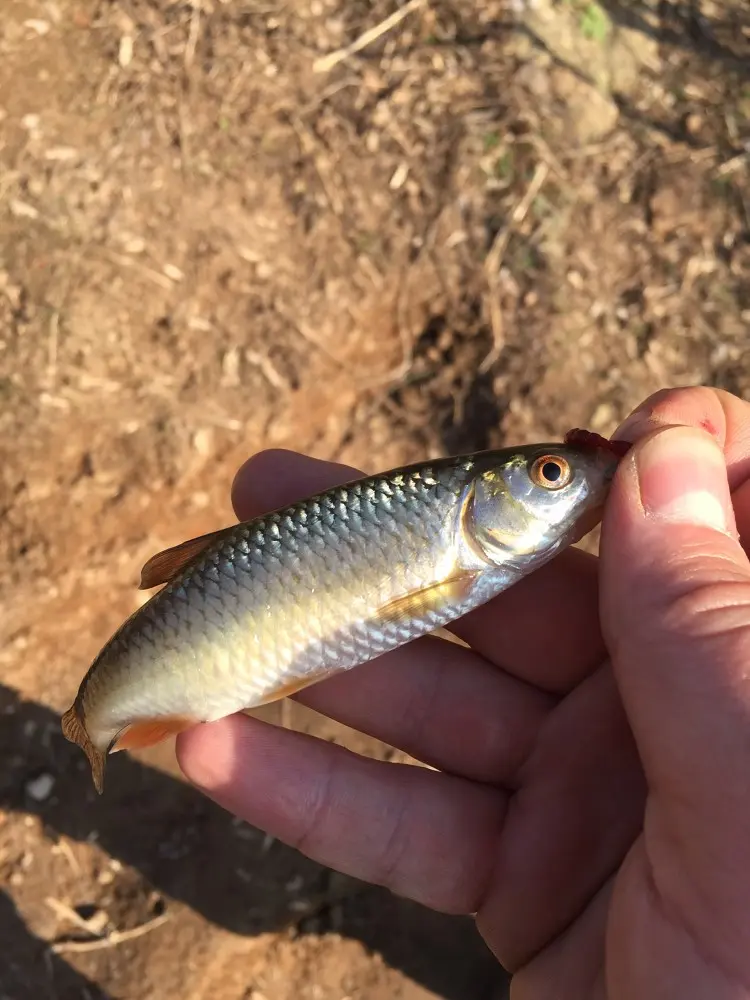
(494, 222)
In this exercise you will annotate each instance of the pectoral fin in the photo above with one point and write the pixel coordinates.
(149, 732)
(430, 599)
(165, 565)
(289, 688)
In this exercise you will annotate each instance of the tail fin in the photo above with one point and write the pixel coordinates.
(74, 730)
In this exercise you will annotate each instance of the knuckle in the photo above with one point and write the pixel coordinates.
(709, 595)
(312, 818)
(389, 862)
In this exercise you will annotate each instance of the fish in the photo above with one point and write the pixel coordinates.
(259, 610)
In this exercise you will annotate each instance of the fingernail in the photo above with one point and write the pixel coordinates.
(683, 478)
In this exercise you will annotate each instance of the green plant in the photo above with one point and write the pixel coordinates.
(594, 23)
(504, 166)
(491, 141)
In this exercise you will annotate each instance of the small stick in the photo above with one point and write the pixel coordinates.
(115, 938)
(65, 912)
(192, 42)
(308, 334)
(267, 368)
(495, 258)
(148, 272)
(64, 848)
(326, 63)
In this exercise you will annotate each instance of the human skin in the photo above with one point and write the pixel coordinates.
(588, 798)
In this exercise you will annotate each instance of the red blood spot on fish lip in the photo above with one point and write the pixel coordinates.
(578, 437)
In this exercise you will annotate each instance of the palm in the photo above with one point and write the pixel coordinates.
(531, 814)
(537, 795)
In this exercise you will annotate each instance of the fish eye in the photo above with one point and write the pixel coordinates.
(551, 472)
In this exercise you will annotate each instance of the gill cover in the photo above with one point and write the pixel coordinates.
(528, 505)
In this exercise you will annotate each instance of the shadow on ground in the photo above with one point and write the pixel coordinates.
(680, 23)
(703, 50)
(188, 849)
(29, 969)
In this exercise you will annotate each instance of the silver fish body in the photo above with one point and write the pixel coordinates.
(269, 606)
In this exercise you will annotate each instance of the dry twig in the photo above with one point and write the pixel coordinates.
(193, 33)
(494, 260)
(147, 272)
(307, 334)
(267, 369)
(111, 940)
(64, 848)
(93, 925)
(326, 63)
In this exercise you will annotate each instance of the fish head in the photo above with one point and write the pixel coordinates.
(531, 501)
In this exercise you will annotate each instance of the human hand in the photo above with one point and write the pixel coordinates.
(590, 800)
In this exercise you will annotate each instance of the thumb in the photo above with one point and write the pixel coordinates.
(675, 589)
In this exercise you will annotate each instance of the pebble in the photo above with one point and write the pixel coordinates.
(125, 53)
(203, 441)
(40, 788)
(230, 365)
(37, 25)
(603, 417)
(22, 209)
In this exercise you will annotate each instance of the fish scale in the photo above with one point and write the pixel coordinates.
(260, 609)
(279, 649)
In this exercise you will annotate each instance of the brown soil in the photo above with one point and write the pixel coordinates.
(449, 240)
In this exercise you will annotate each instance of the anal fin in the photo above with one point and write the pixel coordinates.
(292, 687)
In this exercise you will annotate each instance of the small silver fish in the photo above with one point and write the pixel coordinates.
(259, 610)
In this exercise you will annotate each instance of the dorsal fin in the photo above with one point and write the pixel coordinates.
(165, 565)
